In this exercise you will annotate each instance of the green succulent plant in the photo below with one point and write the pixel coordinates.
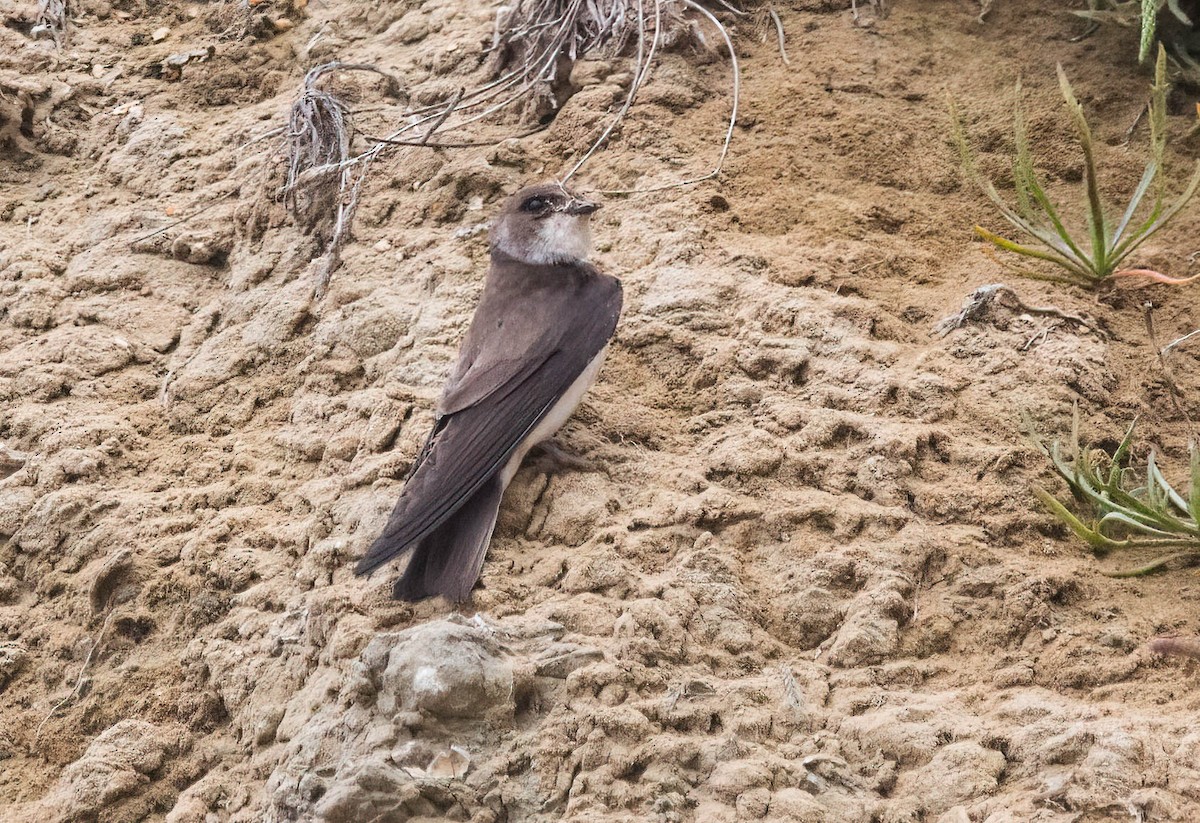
(1092, 262)
(1128, 510)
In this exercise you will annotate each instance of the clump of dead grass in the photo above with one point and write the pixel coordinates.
(240, 19)
(538, 41)
(320, 179)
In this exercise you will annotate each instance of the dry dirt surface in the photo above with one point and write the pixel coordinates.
(805, 579)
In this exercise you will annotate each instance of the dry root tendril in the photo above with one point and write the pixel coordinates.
(534, 48)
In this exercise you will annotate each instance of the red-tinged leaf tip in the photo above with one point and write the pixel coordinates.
(1158, 277)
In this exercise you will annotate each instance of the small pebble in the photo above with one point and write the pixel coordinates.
(160, 34)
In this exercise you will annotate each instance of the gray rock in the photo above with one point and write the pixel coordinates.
(445, 670)
(12, 656)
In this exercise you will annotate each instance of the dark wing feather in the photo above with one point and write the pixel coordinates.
(469, 446)
(448, 560)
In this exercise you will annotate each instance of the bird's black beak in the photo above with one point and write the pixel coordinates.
(581, 207)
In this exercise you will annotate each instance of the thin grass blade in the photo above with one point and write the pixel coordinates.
(1158, 118)
(1135, 526)
(1009, 245)
(1095, 206)
(1149, 19)
(1158, 220)
(1148, 177)
(1155, 477)
(1057, 241)
(1114, 473)
(959, 134)
(1156, 565)
(1043, 201)
(1023, 174)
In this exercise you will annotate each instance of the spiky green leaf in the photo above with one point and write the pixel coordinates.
(1149, 22)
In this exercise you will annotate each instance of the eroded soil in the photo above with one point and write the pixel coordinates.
(806, 579)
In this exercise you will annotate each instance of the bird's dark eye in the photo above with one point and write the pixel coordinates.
(534, 204)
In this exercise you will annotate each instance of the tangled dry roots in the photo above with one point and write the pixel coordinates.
(535, 34)
(535, 45)
(317, 142)
(320, 179)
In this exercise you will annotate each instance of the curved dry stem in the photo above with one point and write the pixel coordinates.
(737, 88)
(1158, 564)
(643, 66)
(542, 34)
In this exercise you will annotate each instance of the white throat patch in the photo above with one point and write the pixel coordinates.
(560, 238)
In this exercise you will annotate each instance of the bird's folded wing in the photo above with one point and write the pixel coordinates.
(494, 371)
(470, 445)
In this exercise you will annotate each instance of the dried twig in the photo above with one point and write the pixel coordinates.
(185, 218)
(532, 35)
(1167, 348)
(793, 698)
(779, 34)
(979, 301)
(1168, 374)
(75, 692)
(441, 119)
(973, 308)
(317, 144)
(737, 86)
(1039, 336)
(464, 144)
(535, 45)
(641, 67)
(317, 140)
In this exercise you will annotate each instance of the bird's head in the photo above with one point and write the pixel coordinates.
(544, 225)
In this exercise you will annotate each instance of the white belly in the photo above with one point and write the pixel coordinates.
(558, 414)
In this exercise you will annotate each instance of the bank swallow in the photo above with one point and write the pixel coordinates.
(535, 345)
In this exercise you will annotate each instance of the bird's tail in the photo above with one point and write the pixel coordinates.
(448, 560)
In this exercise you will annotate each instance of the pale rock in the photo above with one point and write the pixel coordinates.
(442, 669)
(732, 778)
(962, 772)
(796, 806)
(12, 656)
(116, 764)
